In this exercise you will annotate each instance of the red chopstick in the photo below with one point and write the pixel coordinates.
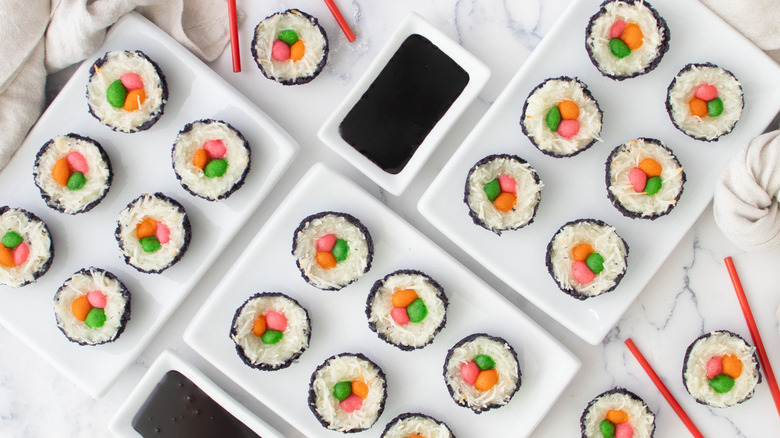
(664, 391)
(762, 356)
(234, 35)
(340, 20)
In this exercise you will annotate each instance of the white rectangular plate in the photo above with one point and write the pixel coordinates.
(574, 187)
(122, 422)
(141, 164)
(339, 324)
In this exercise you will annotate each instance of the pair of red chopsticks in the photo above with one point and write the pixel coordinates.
(233, 21)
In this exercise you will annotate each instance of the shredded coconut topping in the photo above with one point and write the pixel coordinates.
(419, 425)
(640, 418)
(313, 40)
(37, 239)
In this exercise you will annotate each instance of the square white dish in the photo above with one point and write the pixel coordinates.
(268, 265)
(575, 187)
(121, 423)
(141, 163)
(478, 76)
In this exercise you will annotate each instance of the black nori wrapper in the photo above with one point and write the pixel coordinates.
(662, 49)
(122, 289)
(302, 79)
(572, 292)
(375, 290)
(406, 415)
(619, 206)
(263, 366)
(312, 399)
(462, 401)
(32, 217)
(616, 390)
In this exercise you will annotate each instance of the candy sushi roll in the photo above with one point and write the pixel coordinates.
(26, 249)
(73, 173)
(481, 372)
(720, 369)
(290, 47)
(561, 117)
(644, 178)
(626, 38)
(411, 425)
(153, 233)
(127, 91)
(332, 249)
(704, 101)
(617, 413)
(92, 307)
(271, 331)
(347, 392)
(407, 308)
(586, 258)
(211, 159)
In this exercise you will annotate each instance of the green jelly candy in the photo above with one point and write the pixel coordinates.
(715, 107)
(653, 185)
(595, 262)
(417, 310)
(216, 168)
(271, 336)
(722, 383)
(288, 36)
(76, 181)
(150, 244)
(484, 362)
(116, 93)
(607, 429)
(553, 118)
(95, 318)
(492, 189)
(340, 250)
(342, 390)
(619, 48)
(12, 239)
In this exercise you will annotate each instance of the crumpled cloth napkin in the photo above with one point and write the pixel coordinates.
(43, 36)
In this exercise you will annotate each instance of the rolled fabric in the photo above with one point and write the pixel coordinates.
(746, 196)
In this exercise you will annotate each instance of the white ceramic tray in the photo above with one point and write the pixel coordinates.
(122, 422)
(574, 187)
(141, 163)
(339, 323)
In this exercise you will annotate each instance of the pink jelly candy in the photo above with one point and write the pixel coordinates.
(275, 321)
(77, 162)
(624, 430)
(131, 81)
(714, 367)
(326, 242)
(351, 403)
(469, 372)
(20, 253)
(582, 273)
(215, 148)
(706, 92)
(280, 51)
(162, 233)
(568, 128)
(97, 299)
(617, 29)
(638, 179)
(400, 315)
(507, 183)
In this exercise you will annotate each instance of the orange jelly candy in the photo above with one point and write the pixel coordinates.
(61, 171)
(6, 257)
(486, 380)
(326, 260)
(632, 36)
(568, 110)
(505, 201)
(650, 167)
(359, 388)
(581, 252)
(200, 159)
(697, 107)
(404, 297)
(81, 307)
(617, 416)
(297, 50)
(732, 366)
(147, 227)
(259, 326)
(134, 100)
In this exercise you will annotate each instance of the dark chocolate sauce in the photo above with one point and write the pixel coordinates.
(177, 408)
(412, 92)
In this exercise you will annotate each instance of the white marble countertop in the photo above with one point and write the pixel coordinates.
(691, 294)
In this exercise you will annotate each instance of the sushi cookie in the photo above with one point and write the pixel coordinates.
(347, 393)
(92, 307)
(481, 372)
(704, 101)
(626, 38)
(720, 369)
(586, 258)
(290, 47)
(26, 249)
(561, 117)
(617, 413)
(406, 308)
(644, 179)
(73, 173)
(410, 425)
(211, 159)
(502, 193)
(153, 233)
(270, 330)
(332, 249)
(127, 91)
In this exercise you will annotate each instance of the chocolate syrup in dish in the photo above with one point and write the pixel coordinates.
(177, 408)
(403, 104)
